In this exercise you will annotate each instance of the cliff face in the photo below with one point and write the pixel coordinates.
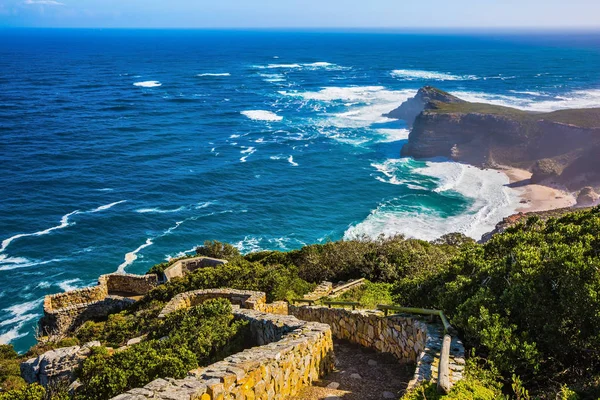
(567, 142)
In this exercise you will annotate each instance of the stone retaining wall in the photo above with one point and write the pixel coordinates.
(410, 339)
(129, 283)
(244, 298)
(186, 265)
(65, 312)
(293, 355)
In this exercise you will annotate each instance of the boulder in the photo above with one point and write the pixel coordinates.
(58, 364)
(587, 197)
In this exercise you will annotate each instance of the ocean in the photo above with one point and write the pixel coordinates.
(122, 148)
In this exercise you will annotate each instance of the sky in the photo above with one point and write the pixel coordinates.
(410, 14)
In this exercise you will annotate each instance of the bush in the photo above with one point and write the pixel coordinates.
(217, 249)
(29, 392)
(528, 299)
(183, 341)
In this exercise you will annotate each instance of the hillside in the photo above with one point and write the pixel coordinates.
(560, 147)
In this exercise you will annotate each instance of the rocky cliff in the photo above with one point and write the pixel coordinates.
(561, 146)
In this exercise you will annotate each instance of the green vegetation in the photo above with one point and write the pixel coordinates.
(185, 340)
(527, 302)
(369, 295)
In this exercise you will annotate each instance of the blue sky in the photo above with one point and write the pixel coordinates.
(301, 13)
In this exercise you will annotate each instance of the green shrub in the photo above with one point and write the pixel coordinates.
(529, 299)
(29, 392)
(215, 249)
(184, 340)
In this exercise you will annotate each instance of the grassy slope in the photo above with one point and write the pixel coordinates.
(585, 118)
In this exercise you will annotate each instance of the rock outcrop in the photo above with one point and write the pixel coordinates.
(587, 197)
(56, 365)
(562, 146)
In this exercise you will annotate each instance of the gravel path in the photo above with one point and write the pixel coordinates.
(360, 374)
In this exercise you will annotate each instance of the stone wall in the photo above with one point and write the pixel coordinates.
(244, 298)
(130, 283)
(293, 355)
(404, 337)
(65, 312)
(409, 338)
(185, 266)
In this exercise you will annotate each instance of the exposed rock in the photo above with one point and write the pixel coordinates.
(425, 99)
(587, 197)
(54, 365)
(333, 385)
(355, 376)
(563, 145)
(372, 363)
(389, 395)
(136, 340)
(545, 169)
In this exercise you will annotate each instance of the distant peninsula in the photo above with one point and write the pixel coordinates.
(560, 148)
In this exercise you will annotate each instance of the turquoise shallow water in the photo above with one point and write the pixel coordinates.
(122, 148)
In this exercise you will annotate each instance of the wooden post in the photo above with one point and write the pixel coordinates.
(443, 383)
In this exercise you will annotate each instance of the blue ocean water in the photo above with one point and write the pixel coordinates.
(121, 148)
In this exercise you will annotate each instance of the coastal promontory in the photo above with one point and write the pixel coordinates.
(560, 147)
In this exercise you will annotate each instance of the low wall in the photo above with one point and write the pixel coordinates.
(244, 298)
(295, 353)
(64, 312)
(408, 338)
(130, 283)
(187, 265)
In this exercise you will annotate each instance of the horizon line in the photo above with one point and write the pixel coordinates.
(308, 28)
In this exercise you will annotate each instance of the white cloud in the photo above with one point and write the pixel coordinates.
(45, 2)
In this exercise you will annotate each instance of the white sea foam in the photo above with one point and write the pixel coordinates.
(262, 115)
(9, 336)
(69, 284)
(214, 74)
(10, 263)
(64, 222)
(575, 99)
(133, 255)
(416, 74)
(148, 84)
(291, 161)
(159, 210)
(393, 135)
(105, 190)
(18, 315)
(309, 66)
(273, 78)
(105, 207)
(491, 201)
(248, 152)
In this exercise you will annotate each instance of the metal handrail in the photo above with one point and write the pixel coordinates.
(447, 327)
(443, 382)
(311, 302)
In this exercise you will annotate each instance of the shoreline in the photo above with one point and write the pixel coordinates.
(535, 197)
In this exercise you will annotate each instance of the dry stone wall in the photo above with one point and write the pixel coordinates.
(408, 338)
(65, 312)
(185, 266)
(293, 354)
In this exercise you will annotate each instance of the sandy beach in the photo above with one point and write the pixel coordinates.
(537, 197)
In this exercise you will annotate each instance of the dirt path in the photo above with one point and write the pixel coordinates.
(360, 374)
